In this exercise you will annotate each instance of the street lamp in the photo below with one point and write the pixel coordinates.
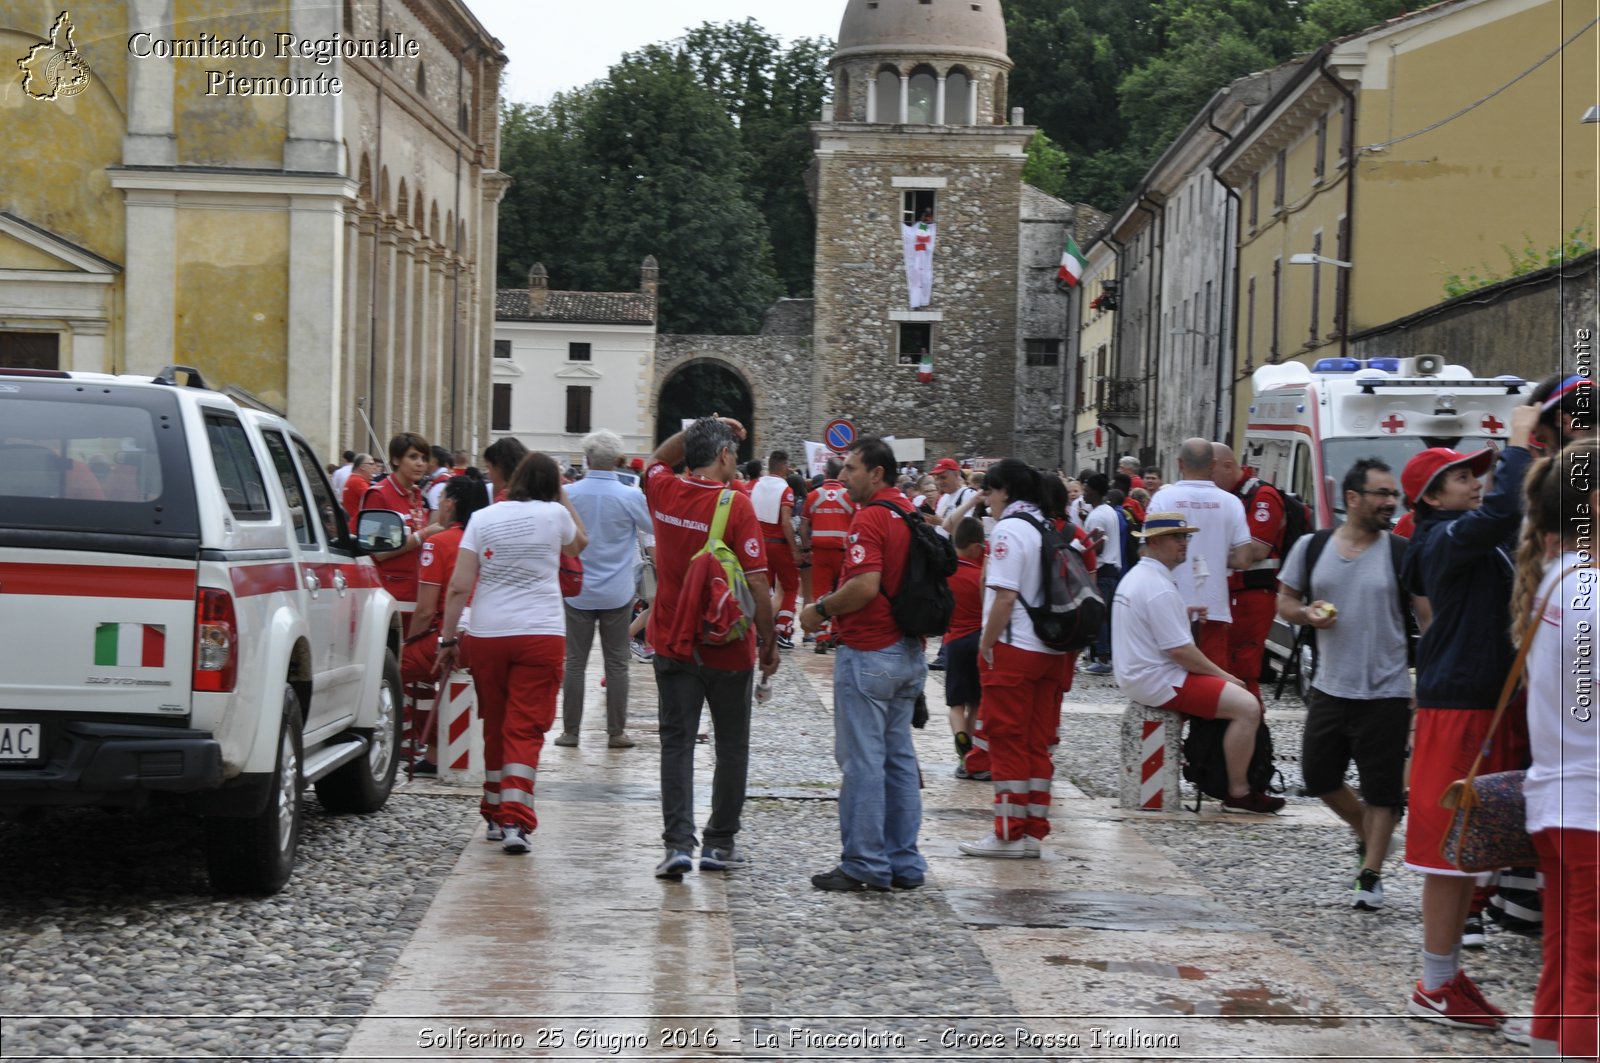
(1591, 116)
(1308, 259)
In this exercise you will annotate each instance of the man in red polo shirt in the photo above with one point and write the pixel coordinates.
(682, 510)
(401, 492)
(1253, 591)
(877, 675)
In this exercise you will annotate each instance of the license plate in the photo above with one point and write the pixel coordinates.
(21, 743)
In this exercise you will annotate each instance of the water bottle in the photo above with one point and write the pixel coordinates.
(764, 689)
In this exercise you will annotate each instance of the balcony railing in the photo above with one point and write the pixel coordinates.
(1119, 395)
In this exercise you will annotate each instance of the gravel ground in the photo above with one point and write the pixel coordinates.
(111, 933)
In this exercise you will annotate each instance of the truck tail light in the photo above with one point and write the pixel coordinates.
(216, 656)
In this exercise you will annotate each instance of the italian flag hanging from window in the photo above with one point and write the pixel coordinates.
(1072, 263)
(925, 369)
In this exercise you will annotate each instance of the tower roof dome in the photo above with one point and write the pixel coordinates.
(877, 27)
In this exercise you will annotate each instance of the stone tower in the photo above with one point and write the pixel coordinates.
(918, 121)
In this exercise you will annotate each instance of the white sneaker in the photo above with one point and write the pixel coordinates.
(494, 833)
(993, 845)
(1518, 1031)
(1030, 847)
(516, 840)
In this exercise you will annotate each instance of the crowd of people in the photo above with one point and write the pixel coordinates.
(1192, 572)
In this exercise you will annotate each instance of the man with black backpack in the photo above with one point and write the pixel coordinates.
(1276, 522)
(1345, 585)
(892, 594)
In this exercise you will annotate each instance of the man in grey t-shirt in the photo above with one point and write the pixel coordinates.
(1359, 706)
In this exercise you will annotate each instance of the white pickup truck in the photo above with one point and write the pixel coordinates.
(185, 619)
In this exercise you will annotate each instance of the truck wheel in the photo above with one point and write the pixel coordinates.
(256, 854)
(363, 785)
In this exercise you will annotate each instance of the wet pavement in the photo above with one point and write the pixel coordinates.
(1108, 947)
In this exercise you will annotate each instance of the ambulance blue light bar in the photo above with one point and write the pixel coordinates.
(1388, 365)
(1336, 365)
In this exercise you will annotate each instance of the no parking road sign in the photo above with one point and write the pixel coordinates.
(839, 435)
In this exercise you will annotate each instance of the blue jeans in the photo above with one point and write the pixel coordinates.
(1107, 576)
(880, 800)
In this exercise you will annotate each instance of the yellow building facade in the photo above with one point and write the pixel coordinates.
(296, 198)
(1428, 148)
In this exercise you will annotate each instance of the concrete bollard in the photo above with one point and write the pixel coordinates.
(1152, 755)
(460, 732)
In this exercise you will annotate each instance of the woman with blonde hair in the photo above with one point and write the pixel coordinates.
(1556, 580)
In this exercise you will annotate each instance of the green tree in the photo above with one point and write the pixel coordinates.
(668, 171)
(545, 152)
(1047, 166)
(1325, 20)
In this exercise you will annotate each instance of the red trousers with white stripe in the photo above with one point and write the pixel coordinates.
(517, 679)
(1021, 712)
(1253, 613)
(977, 759)
(780, 562)
(826, 564)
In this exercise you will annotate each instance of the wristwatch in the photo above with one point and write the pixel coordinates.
(447, 643)
(822, 610)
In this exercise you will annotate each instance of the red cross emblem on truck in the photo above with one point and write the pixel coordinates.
(1393, 423)
(1492, 424)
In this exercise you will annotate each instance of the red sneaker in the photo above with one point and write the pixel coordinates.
(1456, 1003)
(1254, 801)
(1471, 989)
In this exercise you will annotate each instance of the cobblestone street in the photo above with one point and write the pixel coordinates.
(1170, 934)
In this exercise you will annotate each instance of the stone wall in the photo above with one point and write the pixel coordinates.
(975, 173)
(776, 369)
(1041, 396)
(1526, 325)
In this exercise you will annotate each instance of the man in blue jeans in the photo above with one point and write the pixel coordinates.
(877, 676)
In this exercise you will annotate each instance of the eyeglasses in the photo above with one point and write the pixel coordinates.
(1386, 493)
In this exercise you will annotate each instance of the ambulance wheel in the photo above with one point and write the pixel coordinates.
(256, 854)
(363, 785)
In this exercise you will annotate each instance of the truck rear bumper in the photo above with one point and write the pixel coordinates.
(96, 763)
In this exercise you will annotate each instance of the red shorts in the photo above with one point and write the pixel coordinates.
(1442, 750)
(1199, 696)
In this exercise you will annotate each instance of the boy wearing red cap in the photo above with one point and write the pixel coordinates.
(1460, 559)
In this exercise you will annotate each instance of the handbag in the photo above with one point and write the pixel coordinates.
(571, 575)
(1489, 828)
(644, 584)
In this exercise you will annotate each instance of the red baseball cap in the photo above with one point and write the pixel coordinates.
(1424, 468)
(946, 465)
(637, 465)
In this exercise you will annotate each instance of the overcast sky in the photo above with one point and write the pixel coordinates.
(553, 46)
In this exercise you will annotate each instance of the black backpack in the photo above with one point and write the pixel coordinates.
(1070, 608)
(925, 602)
(1205, 765)
(1297, 521)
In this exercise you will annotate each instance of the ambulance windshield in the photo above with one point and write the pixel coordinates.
(1394, 451)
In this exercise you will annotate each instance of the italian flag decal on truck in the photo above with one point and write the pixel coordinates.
(130, 645)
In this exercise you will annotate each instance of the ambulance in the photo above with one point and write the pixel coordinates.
(1308, 424)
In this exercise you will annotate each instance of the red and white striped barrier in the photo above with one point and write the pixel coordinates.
(460, 731)
(1152, 742)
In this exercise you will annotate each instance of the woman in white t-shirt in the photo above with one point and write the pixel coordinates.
(509, 563)
(1562, 787)
(1022, 678)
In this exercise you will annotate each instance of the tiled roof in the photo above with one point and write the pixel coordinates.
(584, 308)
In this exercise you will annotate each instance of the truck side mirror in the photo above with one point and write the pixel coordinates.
(380, 530)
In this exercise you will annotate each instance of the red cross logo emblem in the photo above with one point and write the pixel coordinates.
(1492, 424)
(1393, 423)
(488, 554)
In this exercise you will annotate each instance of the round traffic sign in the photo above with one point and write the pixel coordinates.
(839, 434)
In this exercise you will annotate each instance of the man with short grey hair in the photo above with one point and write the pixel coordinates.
(692, 674)
(614, 514)
(1221, 542)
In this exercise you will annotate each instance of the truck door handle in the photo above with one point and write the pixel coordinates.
(313, 584)
(339, 582)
